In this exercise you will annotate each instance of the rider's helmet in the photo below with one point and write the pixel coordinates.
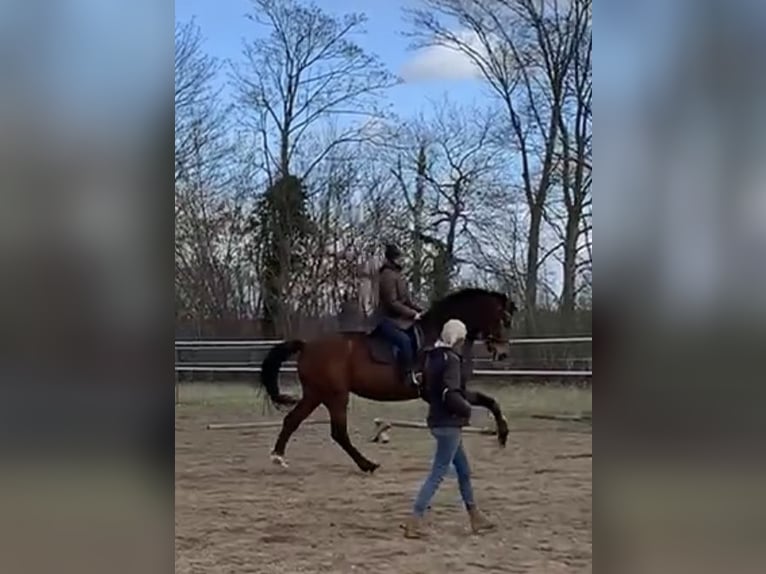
(393, 253)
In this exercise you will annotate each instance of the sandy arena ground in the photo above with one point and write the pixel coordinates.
(237, 513)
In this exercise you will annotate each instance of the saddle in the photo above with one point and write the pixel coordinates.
(383, 352)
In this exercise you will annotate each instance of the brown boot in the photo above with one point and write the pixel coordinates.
(413, 527)
(479, 522)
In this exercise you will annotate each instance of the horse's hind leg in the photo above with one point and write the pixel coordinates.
(299, 413)
(337, 407)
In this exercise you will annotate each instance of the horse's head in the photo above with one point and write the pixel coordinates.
(487, 315)
(497, 321)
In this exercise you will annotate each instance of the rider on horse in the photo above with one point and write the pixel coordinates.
(398, 312)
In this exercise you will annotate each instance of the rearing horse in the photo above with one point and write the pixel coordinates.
(333, 367)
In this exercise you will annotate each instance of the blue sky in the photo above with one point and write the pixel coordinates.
(429, 74)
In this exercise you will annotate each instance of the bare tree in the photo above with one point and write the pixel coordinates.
(497, 244)
(204, 242)
(526, 67)
(575, 126)
(198, 115)
(305, 70)
(289, 219)
(446, 178)
(568, 213)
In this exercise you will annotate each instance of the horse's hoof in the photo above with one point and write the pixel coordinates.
(279, 460)
(371, 468)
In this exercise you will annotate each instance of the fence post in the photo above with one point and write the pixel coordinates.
(175, 359)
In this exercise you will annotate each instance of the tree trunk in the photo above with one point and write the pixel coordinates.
(419, 205)
(533, 256)
(570, 268)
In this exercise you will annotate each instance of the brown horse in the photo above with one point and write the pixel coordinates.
(333, 367)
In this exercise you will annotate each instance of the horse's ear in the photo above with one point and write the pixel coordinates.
(508, 303)
(511, 306)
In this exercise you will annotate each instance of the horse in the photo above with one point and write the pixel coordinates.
(332, 367)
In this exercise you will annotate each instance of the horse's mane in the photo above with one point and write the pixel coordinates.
(463, 294)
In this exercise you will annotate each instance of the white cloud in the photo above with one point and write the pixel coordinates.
(438, 63)
(443, 62)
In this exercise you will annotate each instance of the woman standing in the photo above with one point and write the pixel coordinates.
(448, 412)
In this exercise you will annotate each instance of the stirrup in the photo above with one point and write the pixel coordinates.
(413, 379)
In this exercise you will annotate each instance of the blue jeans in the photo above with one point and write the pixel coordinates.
(400, 339)
(449, 450)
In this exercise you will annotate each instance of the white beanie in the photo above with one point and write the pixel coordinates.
(453, 332)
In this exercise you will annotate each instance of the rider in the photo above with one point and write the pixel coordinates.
(397, 310)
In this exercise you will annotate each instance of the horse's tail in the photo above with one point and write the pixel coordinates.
(270, 370)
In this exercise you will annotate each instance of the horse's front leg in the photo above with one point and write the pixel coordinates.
(477, 398)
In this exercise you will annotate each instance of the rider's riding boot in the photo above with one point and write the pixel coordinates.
(411, 378)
